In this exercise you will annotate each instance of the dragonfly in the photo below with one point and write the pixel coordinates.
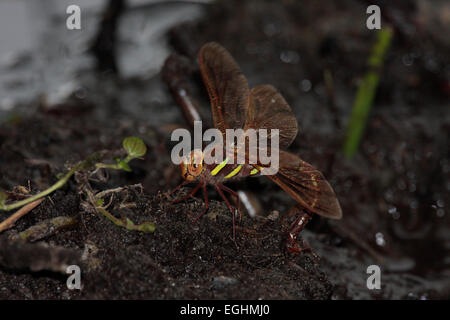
(235, 106)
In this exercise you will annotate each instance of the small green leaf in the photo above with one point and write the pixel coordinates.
(124, 166)
(99, 202)
(135, 147)
(129, 224)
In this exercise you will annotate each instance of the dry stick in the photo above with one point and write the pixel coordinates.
(175, 73)
(9, 222)
(45, 228)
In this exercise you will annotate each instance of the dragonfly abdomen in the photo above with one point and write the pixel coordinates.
(226, 171)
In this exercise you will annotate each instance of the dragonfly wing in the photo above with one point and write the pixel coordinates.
(267, 109)
(306, 185)
(226, 85)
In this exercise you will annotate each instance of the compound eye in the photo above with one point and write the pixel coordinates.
(195, 169)
(196, 164)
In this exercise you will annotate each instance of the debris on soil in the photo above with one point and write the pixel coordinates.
(45, 229)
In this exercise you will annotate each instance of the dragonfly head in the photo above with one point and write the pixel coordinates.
(192, 165)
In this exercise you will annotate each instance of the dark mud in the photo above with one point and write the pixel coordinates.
(394, 193)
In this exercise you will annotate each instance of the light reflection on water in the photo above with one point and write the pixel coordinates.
(40, 56)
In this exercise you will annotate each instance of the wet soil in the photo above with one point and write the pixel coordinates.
(394, 193)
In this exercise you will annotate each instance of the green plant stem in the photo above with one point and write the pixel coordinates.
(114, 166)
(89, 162)
(120, 165)
(127, 223)
(366, 93)
(61, 182)
(37, 196)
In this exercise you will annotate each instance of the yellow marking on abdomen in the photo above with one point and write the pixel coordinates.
(219, 167)
(314, 180)
(254, 171)
(234, 172)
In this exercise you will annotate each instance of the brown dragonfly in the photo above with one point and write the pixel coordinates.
(234, 106)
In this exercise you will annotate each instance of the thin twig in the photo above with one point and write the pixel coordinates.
(45, 228)
(9, 222)
(104, 193)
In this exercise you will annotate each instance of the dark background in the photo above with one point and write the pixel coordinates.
(67, 93)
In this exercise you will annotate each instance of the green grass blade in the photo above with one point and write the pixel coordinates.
(366, 93)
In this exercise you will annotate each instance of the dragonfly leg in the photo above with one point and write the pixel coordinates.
(296, 227)
(178, 187)
(205, 198)
(218, 188)
(190, 194)
(235, 194)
